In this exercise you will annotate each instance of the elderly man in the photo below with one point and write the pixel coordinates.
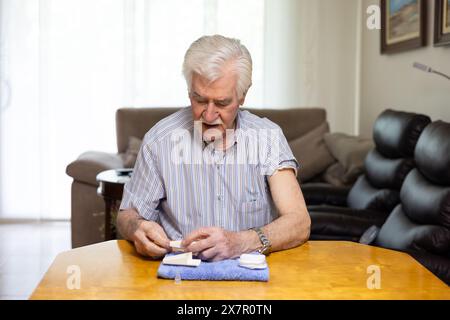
(219, 206)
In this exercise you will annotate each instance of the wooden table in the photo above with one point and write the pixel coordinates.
(316, 270)
(110, 187)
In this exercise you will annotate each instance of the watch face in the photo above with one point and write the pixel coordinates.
(264, 250)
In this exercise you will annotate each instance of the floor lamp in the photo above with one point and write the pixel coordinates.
(425, 68)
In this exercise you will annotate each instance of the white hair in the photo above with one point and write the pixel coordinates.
(209, 55)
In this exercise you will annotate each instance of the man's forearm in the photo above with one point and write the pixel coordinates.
(128, 222)
(288, 231)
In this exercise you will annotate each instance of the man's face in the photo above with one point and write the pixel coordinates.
(215, 104)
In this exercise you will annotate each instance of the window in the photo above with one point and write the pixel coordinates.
(68, 65)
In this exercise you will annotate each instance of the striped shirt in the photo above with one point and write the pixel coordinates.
(183, 183)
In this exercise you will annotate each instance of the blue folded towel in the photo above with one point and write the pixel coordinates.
(219, 270)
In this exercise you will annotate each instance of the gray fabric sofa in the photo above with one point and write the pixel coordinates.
(87, 208)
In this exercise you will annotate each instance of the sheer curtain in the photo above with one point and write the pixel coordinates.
(67, 65)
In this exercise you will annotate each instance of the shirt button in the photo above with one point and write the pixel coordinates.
(219, 197)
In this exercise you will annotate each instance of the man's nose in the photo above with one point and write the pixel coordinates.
(210, 114)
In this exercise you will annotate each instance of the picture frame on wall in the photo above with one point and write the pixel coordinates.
(403, 25)
(442, 23)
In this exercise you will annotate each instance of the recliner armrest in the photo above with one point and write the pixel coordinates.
(91, 163)
(323, 193)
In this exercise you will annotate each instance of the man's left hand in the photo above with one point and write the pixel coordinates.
(214, 244)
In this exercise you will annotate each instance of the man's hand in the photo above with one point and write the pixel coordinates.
(148, 237)
(151, 240)
(216, 244)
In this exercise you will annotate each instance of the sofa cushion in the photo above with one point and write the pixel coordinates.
(130, 156)
(350, 151)
(432, 153)
(424, 202)
(311, 152)
(364, 196)
(401, 233)
(396, 132)
(387, 173)
(335, 175)
(135, 122)
(294, 122)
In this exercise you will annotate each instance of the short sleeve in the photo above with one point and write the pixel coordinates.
(279, 155)
(145, 189)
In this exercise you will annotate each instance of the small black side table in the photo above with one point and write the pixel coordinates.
(111, 183)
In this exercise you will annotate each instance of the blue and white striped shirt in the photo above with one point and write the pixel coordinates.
(184, 184)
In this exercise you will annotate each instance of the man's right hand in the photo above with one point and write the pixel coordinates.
(151, 240)
(148, 237)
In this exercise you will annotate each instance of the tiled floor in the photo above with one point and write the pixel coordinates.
(26, 252)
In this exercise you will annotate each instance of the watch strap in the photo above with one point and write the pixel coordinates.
(264, 241)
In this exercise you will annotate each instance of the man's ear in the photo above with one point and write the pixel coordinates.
(242, 100)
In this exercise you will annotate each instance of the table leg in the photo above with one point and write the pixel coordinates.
(108, 206)
(114, 212)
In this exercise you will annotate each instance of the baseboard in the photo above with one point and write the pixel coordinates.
(28, 221)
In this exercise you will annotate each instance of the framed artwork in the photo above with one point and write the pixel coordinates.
(442, 22)
(403, 25)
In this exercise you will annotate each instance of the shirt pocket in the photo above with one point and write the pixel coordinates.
(254, 186)
(254, 213)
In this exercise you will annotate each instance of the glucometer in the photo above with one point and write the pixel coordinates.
(124, 172)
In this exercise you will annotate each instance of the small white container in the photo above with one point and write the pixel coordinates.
(253, 261)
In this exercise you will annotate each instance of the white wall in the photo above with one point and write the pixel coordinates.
(310, 54)
(389, 81)
(338, 62)
(282, 53)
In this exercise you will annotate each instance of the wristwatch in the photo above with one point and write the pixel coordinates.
(265, 242)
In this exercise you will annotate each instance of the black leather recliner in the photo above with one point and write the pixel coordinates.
(420, 224)
(344, 214)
